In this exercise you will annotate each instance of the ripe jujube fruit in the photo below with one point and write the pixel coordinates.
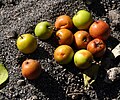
(64, 22)
(31, 69)
(81, 39)
(100, 29)
(64, 37)
(97, 47)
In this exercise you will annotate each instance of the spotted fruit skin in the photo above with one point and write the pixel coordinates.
(97, 47)
(63, 54)
(64, 36)
(64, 22)
(81, 39)
(100, 29)
(31, 69)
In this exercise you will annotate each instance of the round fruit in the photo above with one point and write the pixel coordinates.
(97, 47)
(27, 43)
(81, 39)
(100, 29)
(31, 69)
(43, 30)
(63, 21)
(82, 19)
(63, 54)
(64, 36)
(83, 59)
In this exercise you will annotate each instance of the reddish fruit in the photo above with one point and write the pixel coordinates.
(63, 21)
(97, 47)
(31, 69)
(100, 29)
(81, 39)
(64, 36)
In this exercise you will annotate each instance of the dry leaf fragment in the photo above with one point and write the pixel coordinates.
(3, 74)
(90, 75)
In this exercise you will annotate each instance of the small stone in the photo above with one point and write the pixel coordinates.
(112, 75)
(1, 91)
(106, 10)
(114, 14)
(76, 90)
(21, 82)
(116, 50)
(34, 97)
(16, 95)
(11, 89)
(12, 35)
(74, 97)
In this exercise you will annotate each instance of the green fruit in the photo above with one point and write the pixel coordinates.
(63, 54)
(83, 59)
(43, 30)
(27, 43)
(82, 20)
(3, 74)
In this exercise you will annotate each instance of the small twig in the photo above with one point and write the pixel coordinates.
(77, 93)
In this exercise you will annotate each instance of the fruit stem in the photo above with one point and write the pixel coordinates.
(21, 36)
(96, 21)
(85, 39)
(58, 38)
(97, 44)
(50, 27)
(77, 93)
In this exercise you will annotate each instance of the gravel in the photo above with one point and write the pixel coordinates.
(113, 74)
(57, 82)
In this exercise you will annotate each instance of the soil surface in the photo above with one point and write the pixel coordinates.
(57, 82)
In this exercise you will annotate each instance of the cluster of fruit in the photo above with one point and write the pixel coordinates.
(88, 40)
(27, 44)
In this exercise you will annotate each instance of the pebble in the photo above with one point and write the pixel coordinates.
(112, 75)
(16, 95)
(11, 35)
(11, 89)
(21, 82)
(116, 50)
(74, 97)
(114, 16)
(33, 98)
